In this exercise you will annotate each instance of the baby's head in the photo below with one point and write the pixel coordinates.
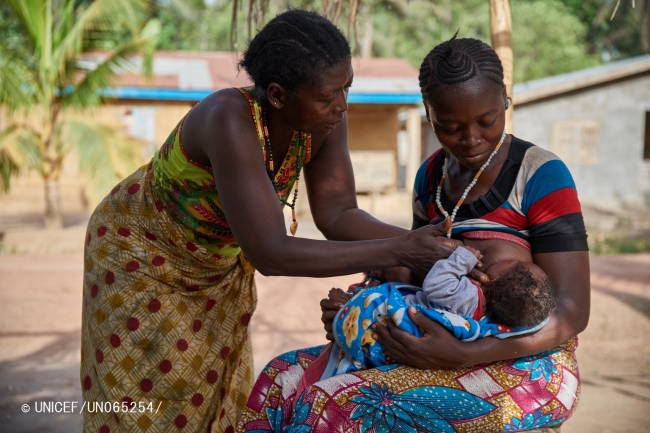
(518, 294)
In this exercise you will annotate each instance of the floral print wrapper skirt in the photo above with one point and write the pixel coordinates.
(506, 396)
(165, 332)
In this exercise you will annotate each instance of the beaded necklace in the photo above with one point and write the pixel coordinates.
(445, 173)
(301, 144)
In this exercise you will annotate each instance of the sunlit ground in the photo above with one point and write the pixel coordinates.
(40, 315)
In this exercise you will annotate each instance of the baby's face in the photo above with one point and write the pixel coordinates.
(500, 268)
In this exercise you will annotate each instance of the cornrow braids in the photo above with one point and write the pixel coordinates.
(456, 61)
(292, 50)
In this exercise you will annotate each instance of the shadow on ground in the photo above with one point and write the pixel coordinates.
(637, 302)
(49, 374)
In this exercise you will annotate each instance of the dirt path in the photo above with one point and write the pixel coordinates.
(40, 313)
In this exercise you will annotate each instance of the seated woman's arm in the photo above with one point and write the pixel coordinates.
(569, 271)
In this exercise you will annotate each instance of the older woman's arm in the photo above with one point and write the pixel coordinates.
(569, 271)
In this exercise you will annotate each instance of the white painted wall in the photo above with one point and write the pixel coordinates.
(619, 177)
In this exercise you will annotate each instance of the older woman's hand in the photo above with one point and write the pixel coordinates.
(420, 266)
(437, 348)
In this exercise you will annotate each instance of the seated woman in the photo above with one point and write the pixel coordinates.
(490, 385)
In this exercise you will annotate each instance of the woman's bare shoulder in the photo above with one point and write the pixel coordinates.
(223, 106)
(218, 117)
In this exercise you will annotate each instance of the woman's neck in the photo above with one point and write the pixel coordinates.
(280, 134)
(460, 176)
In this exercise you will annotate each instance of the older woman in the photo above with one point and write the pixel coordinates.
(493, 186)
(170, 252)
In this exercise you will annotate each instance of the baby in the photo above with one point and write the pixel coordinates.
(518, 294)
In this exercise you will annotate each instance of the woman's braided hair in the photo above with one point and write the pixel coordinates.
(456, 61)
(292, 50)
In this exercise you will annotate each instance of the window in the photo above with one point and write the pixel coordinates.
(577, 141)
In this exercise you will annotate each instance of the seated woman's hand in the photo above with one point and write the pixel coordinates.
(437, 348)
(331, 305)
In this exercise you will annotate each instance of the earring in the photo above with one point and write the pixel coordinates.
(507, 105)
(428, 118)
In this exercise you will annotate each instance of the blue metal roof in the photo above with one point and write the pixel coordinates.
(385, 98)
(197, 95)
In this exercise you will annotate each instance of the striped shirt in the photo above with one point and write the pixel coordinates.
(534, 199)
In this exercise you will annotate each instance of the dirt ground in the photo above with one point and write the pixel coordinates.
(40, 316)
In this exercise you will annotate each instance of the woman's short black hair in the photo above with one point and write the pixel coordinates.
(292, 50)
(517, 298)
(456, 61)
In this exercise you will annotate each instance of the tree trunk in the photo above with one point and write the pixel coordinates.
(645, 29)
(501, 35)
(53, 215)
(366, 41)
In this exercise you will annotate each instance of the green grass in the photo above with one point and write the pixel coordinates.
(620, 243)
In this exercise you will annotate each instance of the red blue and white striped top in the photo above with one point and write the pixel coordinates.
(534, 201)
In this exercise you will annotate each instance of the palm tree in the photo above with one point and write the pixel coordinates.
(70, 51)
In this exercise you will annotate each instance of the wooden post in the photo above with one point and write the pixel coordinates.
(501, 35)
(414, 159)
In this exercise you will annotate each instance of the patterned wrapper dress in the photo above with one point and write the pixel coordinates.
(168, 297)
(533, 201)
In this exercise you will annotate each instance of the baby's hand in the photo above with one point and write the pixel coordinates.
(477, 254)
(337, 295)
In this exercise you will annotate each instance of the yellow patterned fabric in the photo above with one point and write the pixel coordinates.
(165, 332)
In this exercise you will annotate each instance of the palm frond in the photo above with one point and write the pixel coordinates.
(256, 15)
(257, 11)
(17, 87)
(105, 154)
(87, 93)
(32, 14)
(8, 169)
(109, 18)
(20, 145)
(10, 160)
(66, 23)
(149, 37)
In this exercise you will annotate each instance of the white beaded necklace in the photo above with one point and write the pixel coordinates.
(445, 173)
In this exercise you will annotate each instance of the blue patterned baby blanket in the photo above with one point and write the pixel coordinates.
(358, 350)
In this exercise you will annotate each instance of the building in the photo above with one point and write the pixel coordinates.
(382, 88)
(384, 91)
(597, 121)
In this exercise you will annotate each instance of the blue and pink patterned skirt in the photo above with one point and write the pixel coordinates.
(506, 396)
